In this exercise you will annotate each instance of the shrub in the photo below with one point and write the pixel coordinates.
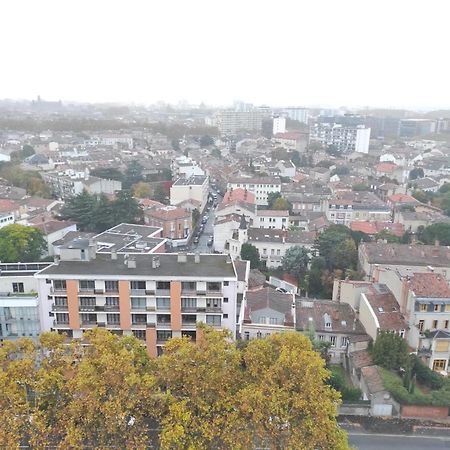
(426, 376)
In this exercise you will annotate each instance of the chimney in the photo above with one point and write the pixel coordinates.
(56, 259)
(131, 263)
(436, 243)
(114, 254)
(197, 257)
(182, 257)
(155, 262)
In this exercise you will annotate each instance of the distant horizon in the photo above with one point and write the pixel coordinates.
(179, 104)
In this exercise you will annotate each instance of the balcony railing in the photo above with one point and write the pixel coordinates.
(60, 307)
(112, 308)
(188, 323)
(163, 324)
(58, 291)
(163, 292)
(88, 324)
(112, 325)
(213, 309)
(137, 292)
(189, 309)
(139, 324)
(89, 308)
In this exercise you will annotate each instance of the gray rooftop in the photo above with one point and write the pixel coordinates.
(209, 266)
(195, 180)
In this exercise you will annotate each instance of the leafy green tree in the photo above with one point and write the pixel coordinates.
(159, 194)
(332, 246)
(27, 150)
(341, 170)
(133, 173)
(175, 144)
(281, 204)
(81, 210)
(436, 232)
(103, 216)
(390, 351)
(206, 141)
(345, 255)
(250, 253)
(360, 187)
(386, 235)
(195, 217)
(295, 261)
(315, 286)
(421, 196)
(126, 209)
(141, 190)
(20, 243)
(416, 173)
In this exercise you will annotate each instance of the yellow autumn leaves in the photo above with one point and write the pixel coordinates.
(105, 392)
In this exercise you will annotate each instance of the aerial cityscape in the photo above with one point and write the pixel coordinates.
(202, 248)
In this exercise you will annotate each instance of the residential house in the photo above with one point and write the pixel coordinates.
(261, 187)
(53, 230)
(175, 222)
(271, 219)
(293, 140)
(193, 188)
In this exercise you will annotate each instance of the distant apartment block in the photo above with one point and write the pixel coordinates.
(114, 140)
(184, 167)
(231, 122)
(69, 185)
(261, 187)
(279, 125)
(297, 113)
(193, 188)
(417, 127)
(346, 139)
(151, 296)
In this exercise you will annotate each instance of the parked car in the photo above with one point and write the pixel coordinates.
(196, 240)
(280, 289)
(205, 219)
(210, 241)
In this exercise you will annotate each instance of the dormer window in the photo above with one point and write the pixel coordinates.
(327, 324)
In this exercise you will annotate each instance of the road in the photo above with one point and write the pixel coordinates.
(367, 441)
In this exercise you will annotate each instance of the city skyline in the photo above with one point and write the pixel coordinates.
(289, 54)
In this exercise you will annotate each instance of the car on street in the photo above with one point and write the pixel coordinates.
(205, 219)
(196, 240)
(280, 289)
(210, 241)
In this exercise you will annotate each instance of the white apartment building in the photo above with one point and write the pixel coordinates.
(271, 219)
(279, 125)
(231, 122)
(261, 187)
(346, 139)
(185, 167)
(192, 188)
(297, 113)
(113, 140)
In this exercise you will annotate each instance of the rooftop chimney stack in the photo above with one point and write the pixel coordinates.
(114, 254)
(155, 262)
(131, 263)
(182, 257)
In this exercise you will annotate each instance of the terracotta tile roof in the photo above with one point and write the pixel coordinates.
(373, 379)
(8, 205)
(431, 285)
(385, 307)
(241, 269)
(149, 203)
(168, 213)
(386, 167)
(361, 358)
(239, 194)
(402, 198)
(397, 229)
(53, 225)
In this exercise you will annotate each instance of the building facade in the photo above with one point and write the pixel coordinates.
(192, 188)
(261, 187)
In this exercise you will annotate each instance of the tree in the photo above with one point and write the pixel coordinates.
(103, 216)
(280, 204)
(133, 173)
(20, 243)
(360, 187)
(175, 144)
(295, 261)
(216, 153)
(386, 235)
(328, 245)
(421, 196)
(195, 217)
(159, 194)
(81, 210)
(27, 150)
(436, 232)
(345, 255)
(286, 400)
(250, 253)
(272, 198)
(416, 173)
(126, 208)
(390, 351)
(206, 141)
(341, 170)
(296, 159)
(201, 383)
(141, 190)
(315, 286)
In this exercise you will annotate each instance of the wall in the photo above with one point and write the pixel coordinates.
(432, 412)
(367, 318)
(357, 409)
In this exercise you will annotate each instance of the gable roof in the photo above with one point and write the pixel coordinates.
(268, 297)
(431, 285)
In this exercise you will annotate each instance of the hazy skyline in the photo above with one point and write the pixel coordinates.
(353, 53)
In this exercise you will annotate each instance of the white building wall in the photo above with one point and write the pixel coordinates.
(362, 140)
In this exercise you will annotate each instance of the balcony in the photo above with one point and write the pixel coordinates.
(113, 308)
(163, 292)
(99, 291)
(60, 307)
(58, 291)
(137, 292)
(163, 324)
(90, 308)
(189, 309)
(86, 291)
(89, 324)
(213, 309)
(424, 351)
(139, 324)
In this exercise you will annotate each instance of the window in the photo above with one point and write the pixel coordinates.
(87, 285)
(163, 285)
(163, 303)
(113, 319)
(62, 318)
(138, 303)
(423, 307)
(188, 302)
(111, 286)
(441, 346)
(421, 325)
(333, 341)
(439, 364)
(247, 335)
(264, 251)
(163, 335)
(401, 333)
(61, 301)
(321, 337)
(213, 303)
(138, 319)
(226, 283)
(273, 321)
(225, 299)
(327, 324)
(225, 316)
(163, 319)
(278, 252)
(214, 320)
(18, 287)
(88, 318)
(112, 301)
(188, 319)
(213, 286)
(437, 308)
(344, 341)
(447, 308)
(188, 285)
(140, 334)
(59, 285)
(87, 302)
(137, 285)
(445, 324)
(435, 324)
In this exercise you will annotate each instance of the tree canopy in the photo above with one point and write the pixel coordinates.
(295, 261)
(436, 232)
(98, 213)
(390, 351)
(250, 253)
(204, 395)
(20, 243)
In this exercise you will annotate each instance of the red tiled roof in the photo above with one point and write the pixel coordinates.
(365, 227)
(386, 167)
(402, 198)
(239, 194)
(53, 225)
(149, 203)
(168, 213)
(8, 205)
(273, 213)
(430, 285)
(397, 229)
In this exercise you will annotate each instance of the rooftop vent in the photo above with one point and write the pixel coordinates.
(155, 262)
(182, 257)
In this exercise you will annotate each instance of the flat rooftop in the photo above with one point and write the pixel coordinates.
(209, 266)
(195, 180)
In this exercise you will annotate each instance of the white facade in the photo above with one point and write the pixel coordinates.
(277, 220)
(279, 125)
(300, 114)
(193, 188)
(6, 219)
(260, 187)
(362, 140)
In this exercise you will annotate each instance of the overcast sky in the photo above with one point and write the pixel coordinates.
(389, 53)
